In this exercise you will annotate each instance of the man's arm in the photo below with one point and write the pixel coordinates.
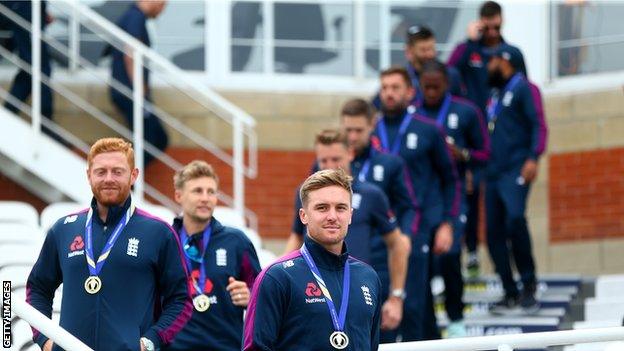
(398, 246)
(533, 109)
(240, 290)
(478, 138)
(173, 282)
(45, 277)
(402, 198)
(445, 168)
(264, 314)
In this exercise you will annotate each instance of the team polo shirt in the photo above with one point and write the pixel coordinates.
(464, 124)
(519, 130)
(288, 310)
(229, 254)
(432, 174)
(144, 289)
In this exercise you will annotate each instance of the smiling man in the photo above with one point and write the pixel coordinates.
(318, 297)
(124, 284)
(222, 261)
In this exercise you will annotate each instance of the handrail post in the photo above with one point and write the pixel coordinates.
(35, 41)
(74, 39)
(239, 171)
(137, 134)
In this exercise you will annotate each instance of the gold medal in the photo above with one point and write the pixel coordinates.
(93, 284)
(339, 340)
(201, 303)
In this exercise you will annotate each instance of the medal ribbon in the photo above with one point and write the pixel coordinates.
(494, 107)
(198, 285)
(383, 134)
(366, 166)
(96, 267)
(338, 319)
(418, 97)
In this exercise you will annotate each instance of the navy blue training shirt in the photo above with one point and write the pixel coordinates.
(433, 178)
(371, 216)
(520, 128)
(389, 174)
(471, 59)
(288, 311)
(144, 282)
(463, 123)
(229, 254)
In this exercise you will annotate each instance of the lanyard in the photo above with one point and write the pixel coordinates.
(443, 112)
(199, 285)
(96, 267)
(366, 166)
(418, 97)
(494, 107)
(383, 134)
(338, 319)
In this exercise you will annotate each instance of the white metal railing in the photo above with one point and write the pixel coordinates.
(58, 335)
(79, 15)
(512, 341)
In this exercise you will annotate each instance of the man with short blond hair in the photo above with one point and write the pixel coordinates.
(318, 297)
(372, 218)
(222, 261)
(120, 267)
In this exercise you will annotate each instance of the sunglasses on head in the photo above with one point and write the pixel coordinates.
(413, 30)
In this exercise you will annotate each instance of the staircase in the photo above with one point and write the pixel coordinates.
(47, 168)
(557, 295)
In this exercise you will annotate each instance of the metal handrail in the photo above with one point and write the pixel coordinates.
(45, 325)
(242, 123)
(512, 341)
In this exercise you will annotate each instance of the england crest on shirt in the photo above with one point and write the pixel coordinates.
(356, 200)
(507, 98)
(378, 173)
(412, 141)
(453, 121)
(221, 257)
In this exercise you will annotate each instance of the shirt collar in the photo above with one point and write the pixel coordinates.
(324, 258)
(114, 212)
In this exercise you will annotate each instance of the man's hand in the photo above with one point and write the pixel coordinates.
(239, 292)
(47, 346)
(529, 170)
(391, 313)
(474, 30)
(142, 346)
(443, 239)
(469, 182)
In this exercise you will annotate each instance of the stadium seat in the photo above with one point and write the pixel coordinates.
(17, 254)
(18, 212)
(17, 274)
(228, 216)
(608, 286)
(597, 309)
(54, 211)
(14, 233)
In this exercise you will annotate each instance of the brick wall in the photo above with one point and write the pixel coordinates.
(11, 191)
(586, 195)
(270, 195)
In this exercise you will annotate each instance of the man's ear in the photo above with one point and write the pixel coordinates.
(303, 216)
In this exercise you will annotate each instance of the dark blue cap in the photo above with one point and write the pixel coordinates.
(512, 54)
